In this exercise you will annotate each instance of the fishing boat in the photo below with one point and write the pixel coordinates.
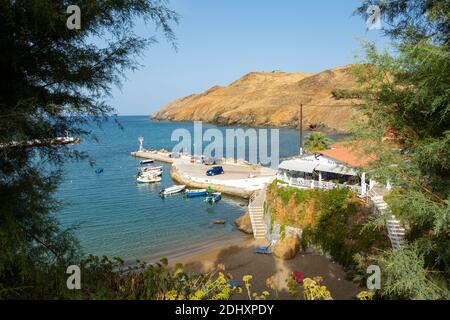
(151, 168)
(196, 193)
(99, 170)
(146, 161)
(148, 179)
(150, 173)
(172, 190)
(213, 197)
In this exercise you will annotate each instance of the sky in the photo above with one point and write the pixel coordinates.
(220, 41)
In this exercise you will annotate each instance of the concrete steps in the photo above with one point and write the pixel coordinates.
(396, 232)
(257, 220)
(256, 211)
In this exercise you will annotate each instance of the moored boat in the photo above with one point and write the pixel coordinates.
(151, 168)
(196, 193)
(150, 173)
(172, 190)
(147, 161)
(148, 179)
(98, 170)
(213, 197)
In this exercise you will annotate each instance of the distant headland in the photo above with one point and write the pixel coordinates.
(272, 99)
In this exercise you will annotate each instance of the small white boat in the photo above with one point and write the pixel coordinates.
(213, 197)
(149, 169)
(150, 173)
(148, 179)
(172, 190)
(146, 161)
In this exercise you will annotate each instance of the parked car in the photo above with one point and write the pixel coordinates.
(214, 170)
(174, 155)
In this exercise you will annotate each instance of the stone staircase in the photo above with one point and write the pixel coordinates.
(396, 232)
(256, 210)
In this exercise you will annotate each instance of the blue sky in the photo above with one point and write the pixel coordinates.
(220, 41)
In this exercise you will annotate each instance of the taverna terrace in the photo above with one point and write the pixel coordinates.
(338, 166)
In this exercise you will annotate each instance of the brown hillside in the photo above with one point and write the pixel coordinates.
(271, 99)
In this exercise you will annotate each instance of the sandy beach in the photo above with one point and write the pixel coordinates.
(239, 260)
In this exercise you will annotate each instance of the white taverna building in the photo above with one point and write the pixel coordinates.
(327, 169)
(341, 165)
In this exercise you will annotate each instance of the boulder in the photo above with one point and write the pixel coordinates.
(244, 224)
(287, 247)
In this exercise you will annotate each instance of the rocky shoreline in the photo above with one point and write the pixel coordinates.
(244, 224)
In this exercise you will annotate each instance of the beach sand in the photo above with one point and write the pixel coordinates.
(239, 260)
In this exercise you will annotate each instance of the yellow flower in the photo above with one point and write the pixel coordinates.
(365, 295)
(171, 295)
(221, 278)
(198, 295)
(318, 278)
(247, 278)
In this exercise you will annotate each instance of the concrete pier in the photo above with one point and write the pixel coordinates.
(154, 155)
(240, 178)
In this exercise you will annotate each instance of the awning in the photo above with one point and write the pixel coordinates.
(336, 168)
(298, 165)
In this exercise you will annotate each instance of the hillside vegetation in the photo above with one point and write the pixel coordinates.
(332, 220)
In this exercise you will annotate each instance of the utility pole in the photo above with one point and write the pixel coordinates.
(300, 119)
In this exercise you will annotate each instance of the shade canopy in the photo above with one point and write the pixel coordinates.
(336, 168)
(298, 165)
(309, 166)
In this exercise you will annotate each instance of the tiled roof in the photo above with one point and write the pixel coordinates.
(349, 153)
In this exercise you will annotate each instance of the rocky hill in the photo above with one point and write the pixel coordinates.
(273, 99)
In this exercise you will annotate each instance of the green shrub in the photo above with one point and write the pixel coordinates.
(280, 181)
(282, 230)
(339, 228)
(287, 193)
(345, 94)
(336, 226)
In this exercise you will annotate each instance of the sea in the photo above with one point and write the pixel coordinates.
(115, 216)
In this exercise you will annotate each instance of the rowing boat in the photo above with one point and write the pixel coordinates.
(172, 190)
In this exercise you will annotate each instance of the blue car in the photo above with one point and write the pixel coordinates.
(214, 170)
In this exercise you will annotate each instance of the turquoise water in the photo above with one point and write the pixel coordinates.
(118, 217)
